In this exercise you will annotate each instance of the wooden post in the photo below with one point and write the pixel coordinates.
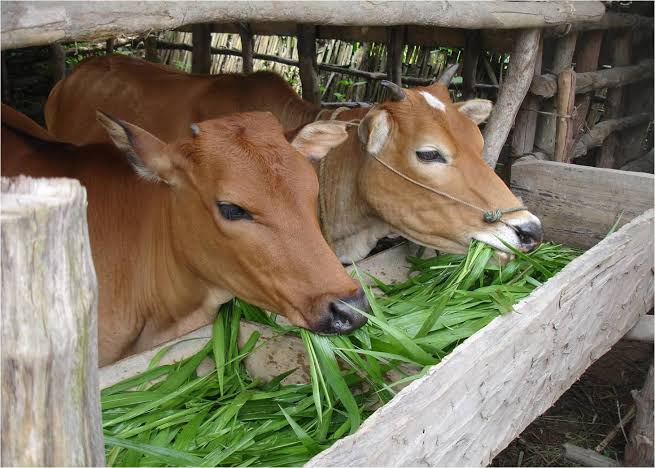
(514, 90)
(565, 106)
(201, 58)
(562, 58)
(472, 51)
(247, 47)
(50, 393)
(6, 87)
(308, 63)
(639, 449)
(586, 60)
(620, 55)
(395, 45)
(151, 49)
(57, 62)
(526, 119)
(109, 46)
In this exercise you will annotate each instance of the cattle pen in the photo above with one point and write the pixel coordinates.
(577, 88)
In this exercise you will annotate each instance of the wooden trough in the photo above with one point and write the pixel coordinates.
(478, 399)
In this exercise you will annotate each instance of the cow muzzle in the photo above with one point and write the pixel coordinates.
(340, 315)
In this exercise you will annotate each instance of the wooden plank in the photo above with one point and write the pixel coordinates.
(511, 94)
(546, 85)
(50, 398)
(578, 204)
(34, 23)
(308, 63)
(481, 396)
(201, 58)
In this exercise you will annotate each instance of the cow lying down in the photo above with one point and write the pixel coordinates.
(227, 208)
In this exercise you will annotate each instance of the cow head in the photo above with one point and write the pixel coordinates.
(424, 135)
(242, 209)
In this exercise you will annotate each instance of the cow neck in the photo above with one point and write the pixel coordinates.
(348, 222)
(180, 291)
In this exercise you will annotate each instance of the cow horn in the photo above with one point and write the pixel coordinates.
(447, 76)
(396, 93)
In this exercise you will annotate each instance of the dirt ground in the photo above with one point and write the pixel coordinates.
(586, 413)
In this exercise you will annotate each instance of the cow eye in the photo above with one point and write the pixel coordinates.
(232, 212)
(431, 156)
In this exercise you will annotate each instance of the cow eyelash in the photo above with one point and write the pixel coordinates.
(431, 156)
(232, 212)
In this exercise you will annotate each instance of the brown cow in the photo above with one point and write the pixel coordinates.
(229, 209)
(420, 133)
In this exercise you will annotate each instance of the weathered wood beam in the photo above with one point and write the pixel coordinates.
(546, 85)
(201, 58)
(50, 395)
(307, 63)
(639, 449)
(472, 52)
(610, 20)
(602, 130)
(57, 61)
(578, 205)
(457, 415)
(512, 93)
(395, 45)
(621, 54)
(247, 47)
(70, 21)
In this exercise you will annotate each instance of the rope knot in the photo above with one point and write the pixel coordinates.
(492, 216)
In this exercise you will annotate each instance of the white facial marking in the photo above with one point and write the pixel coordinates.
(433, 101)
(505, 233)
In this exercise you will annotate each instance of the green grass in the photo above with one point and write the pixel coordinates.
(227, 418)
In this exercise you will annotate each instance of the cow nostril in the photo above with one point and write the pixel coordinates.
(530, 234)
(344, 315)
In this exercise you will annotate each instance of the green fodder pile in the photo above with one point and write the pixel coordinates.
(228, 418)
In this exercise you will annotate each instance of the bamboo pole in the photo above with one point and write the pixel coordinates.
(514, 90)
(586, 60)
(565, 104)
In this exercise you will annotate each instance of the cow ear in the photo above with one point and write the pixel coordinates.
(374, 131)
(316, 139)
(150, 157)
(475, 109)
